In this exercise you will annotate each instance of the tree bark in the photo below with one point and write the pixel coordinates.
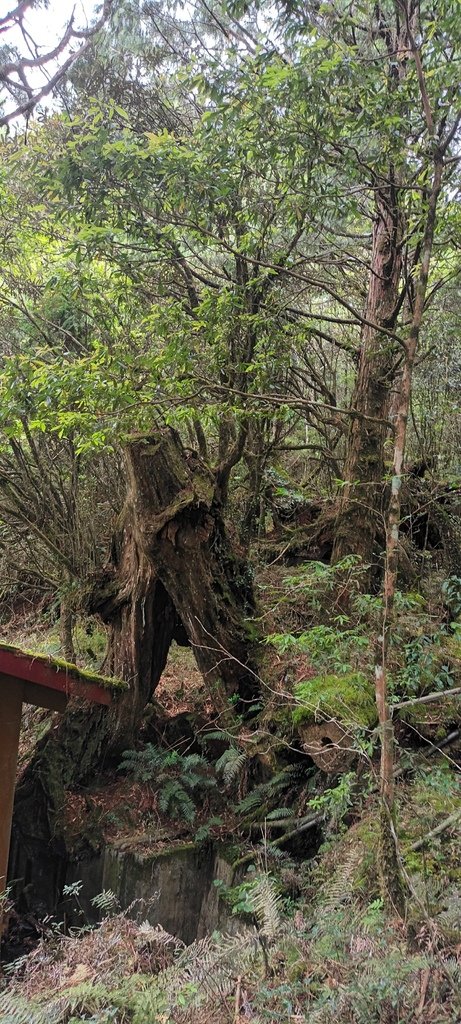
(390, 867)
(131, 600)
(180, 529)
(66, 626)
(361, 497)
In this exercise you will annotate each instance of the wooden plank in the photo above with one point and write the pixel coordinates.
(19, 665)
(44, 697)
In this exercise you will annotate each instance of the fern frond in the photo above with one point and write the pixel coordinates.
(15, 1009)
(266, 900)
(207, 968)
(280, 781)
(231, 764)
(279, 812)
(338, 890)
(105, 901)
(449, 917)
(174, 800)
(326, 1013)
(249, 802)
(192, 761)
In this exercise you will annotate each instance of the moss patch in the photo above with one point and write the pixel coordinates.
(346, 698)
(451, 651)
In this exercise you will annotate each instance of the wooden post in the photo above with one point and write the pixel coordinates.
(10, 725)
(43, 682)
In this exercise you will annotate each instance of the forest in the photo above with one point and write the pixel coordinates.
(230, 502)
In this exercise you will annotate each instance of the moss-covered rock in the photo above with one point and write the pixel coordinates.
(347, 698)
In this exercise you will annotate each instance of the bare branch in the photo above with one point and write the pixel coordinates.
(19, 67)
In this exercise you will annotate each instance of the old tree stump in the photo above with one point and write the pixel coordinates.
(173, 573)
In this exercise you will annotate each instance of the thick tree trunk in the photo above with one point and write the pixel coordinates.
(180, 528)
(131, 600)
(361, 497)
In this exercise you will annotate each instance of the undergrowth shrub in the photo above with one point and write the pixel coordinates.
(311, 592)
(336, 957)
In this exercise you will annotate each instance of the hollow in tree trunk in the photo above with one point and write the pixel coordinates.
(131, 600)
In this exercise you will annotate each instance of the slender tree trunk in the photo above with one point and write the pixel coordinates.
(255, 463)
(389, 861)
(361, 496)
(66, 625)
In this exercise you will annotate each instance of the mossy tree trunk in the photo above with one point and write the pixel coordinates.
(142, 621)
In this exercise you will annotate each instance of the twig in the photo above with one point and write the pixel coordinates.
(304, 826)
(438, 747)
(436, 831)
(443, 743)
(424, 983)
(429, 698)
(237, 999)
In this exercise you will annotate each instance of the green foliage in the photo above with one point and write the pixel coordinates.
(231, 764)
(106, 901)
(172, 775)
(313, 592)
(90, 642)
(204, 831)
(339, 649)
(336, 801)
(451, 592)
(424, 669)
(261, 799)
(348, 698)
(257, 898)
(340, 930)
(16, 1009)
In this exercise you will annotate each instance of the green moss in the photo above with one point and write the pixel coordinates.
(178, 849)
(451, 648)
(80, 674)
(90, 644)
(346, 698)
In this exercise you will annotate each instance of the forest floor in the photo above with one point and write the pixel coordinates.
(317, 943)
